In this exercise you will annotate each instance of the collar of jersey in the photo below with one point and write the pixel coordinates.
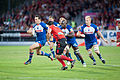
(88, 26)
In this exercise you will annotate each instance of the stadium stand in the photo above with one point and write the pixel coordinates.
(104, 12)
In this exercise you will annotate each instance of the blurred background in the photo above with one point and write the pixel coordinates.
(18, 15)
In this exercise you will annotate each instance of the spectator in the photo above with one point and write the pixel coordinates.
(73, 24)
(107, 11)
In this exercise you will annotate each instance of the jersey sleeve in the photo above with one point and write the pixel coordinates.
(96, 29)
(81, 29)
(44, 26)
(60, 26)
(56, 24)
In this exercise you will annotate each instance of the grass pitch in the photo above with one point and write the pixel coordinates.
(41, 68)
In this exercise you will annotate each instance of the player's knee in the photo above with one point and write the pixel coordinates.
(38, 52)
(51, 47)
(30, 48)
(90, 55)
(90, 52)
(77, 51)
(96, 49)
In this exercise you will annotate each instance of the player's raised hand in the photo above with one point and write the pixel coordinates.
(112, 40)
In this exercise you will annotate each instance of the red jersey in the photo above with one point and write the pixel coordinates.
(57, 32)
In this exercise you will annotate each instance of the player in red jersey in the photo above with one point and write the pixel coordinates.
(61, 44)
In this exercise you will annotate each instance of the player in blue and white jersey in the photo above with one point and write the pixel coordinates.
(71, 40)
(40, 29)
(89, 31)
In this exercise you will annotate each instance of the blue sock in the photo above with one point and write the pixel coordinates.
(45, 54)
(77, 56)
(70, 55)
(52, 51)
(30, 56)
(99, 56)
(92, 58)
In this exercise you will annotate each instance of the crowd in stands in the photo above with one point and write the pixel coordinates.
(21, 18)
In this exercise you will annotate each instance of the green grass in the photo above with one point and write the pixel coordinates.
(41, 68)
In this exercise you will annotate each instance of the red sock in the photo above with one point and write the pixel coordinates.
(66, 58)
(62, 62)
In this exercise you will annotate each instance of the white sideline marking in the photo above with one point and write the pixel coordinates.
(113, 65)
(48, 78)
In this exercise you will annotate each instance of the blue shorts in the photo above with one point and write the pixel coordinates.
(89, 45)
(72, 43)
(41, 43)
(53, 40)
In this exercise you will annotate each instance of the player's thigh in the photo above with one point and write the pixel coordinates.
(60, 49)
(66, 50)
(60, 46)
(34, 46)
(67, 47)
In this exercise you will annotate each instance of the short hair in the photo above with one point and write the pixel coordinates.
(51, 17)
(50, 23)
(39, 17)
(87, 17)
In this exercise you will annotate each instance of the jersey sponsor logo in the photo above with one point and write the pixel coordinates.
(38, 28)
(89, 30)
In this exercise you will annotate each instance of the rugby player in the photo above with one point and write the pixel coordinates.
(71, 40)
(61, 44)
(89, 30)
(52, 40)
(40, 29)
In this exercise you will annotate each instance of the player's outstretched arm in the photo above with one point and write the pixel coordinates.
(31, 31)
(99, 33)
(48, 35)
(79, 34)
